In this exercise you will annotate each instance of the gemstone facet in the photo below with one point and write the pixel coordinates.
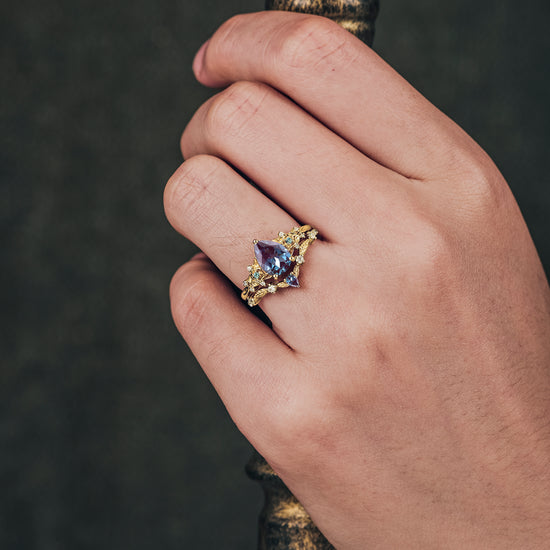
(291, 280)
(274, 258)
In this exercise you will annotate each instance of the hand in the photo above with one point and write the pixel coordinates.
(403, 392)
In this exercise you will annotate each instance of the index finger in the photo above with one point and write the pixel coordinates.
(341, 82)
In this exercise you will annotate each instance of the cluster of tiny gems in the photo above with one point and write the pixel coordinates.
(277, 263)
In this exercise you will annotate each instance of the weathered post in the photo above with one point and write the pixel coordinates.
(356, 16)
(284, 523)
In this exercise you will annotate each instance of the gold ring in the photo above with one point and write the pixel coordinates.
(277, 263)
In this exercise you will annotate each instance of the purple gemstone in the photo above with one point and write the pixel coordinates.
(273, 258)
(291, 280)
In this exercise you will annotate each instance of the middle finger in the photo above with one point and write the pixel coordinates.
(307, 169)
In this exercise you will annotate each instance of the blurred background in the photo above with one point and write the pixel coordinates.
(110, 434)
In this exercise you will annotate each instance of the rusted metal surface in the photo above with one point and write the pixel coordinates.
(284, 523)
(357, 16)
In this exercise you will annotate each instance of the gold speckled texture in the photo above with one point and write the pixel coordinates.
(284, 523)
(357, 16)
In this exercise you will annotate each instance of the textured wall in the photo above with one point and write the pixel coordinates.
(110, 435)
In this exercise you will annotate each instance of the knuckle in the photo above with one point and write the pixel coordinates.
(189, 296)
(187, 187)
(299, 433)
(427, 251)
(310, 42)
(231, 111)
(488, 193)
(484, 192)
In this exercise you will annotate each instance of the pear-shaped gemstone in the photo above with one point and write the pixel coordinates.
(291, 280)
(273, 258)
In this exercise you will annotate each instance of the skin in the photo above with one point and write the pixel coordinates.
(403, 392)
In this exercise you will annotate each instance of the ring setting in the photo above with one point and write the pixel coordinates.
(277, 263)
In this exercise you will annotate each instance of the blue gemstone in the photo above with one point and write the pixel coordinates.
(291, 280)
(273, 258)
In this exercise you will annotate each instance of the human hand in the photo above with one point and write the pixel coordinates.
(403, 392)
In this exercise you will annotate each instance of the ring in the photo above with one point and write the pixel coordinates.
(277, 263)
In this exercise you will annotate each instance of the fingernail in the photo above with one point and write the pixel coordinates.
(199, 256)
(198, 62)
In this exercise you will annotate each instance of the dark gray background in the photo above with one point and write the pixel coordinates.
(110, 435)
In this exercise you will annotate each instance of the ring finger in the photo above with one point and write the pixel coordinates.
(214, 207)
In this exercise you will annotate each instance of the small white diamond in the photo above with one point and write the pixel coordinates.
(295, 229)
(300, 259)
(249, 268)
(245, 284)
(272, 288)
(297, 245)
(262, 283)
(313, 234)
(250, 302)
(281, 234)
